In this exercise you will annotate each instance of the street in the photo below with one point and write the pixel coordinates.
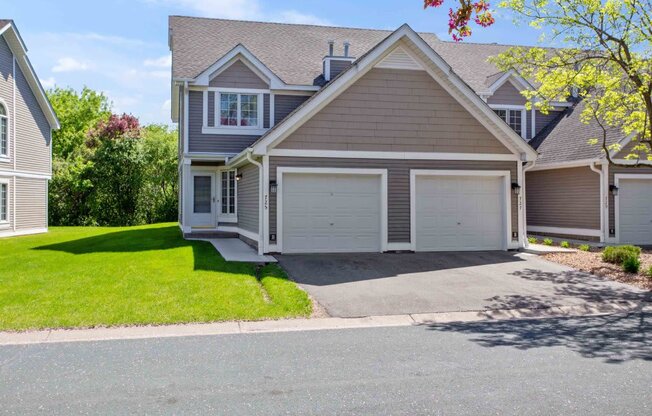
(591, 365)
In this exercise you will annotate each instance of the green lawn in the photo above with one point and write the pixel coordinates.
(85, 277)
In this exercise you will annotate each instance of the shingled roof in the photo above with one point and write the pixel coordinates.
(566, 138)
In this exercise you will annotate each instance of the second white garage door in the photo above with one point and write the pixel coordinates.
(635, 211)
(329, 213)
(459, 213)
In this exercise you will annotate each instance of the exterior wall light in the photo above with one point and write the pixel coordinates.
(272, 187)
(238, 176)
(516, 188)
(613, 189)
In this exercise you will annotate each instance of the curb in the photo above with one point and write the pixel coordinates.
(292, 325)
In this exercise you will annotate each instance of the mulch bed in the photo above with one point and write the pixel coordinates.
(591, 262)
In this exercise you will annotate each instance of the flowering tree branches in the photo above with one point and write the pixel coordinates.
(459, 19)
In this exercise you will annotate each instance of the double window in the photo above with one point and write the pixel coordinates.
(239, 110)
(514, 118)
(4, 131)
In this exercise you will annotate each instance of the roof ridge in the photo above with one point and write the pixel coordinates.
(296, 24)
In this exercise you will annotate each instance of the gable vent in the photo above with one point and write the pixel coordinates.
(399, 59)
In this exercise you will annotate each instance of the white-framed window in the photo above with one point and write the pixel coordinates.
(228, 197)
(4, 201)
(4, 131)
(243, 110)
(515, 117)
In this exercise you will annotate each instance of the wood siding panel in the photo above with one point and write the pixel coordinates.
(542, 120)
(395, 110)
(613, 170)
(238, 75)
(6, 94)
(211, 109)
(248, 196)
(31, 203)
(398, 184)
(32, 142)
(507, 94)
(211, 143)
(568, 198)
(285, 104)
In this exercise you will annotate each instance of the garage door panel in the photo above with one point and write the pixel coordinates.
(326, 213)
(635, 216)
(459, 213)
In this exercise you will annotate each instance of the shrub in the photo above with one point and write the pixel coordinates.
(547, 242)
(532, 240)
(649, 272)
(585, 247)
(631, 264)
(618, 254)
(565, 244)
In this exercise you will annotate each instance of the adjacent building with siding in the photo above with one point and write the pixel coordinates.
(26, 123)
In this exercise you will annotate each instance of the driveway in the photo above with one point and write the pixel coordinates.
(354, 285)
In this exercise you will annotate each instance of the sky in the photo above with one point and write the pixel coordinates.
(120, 47)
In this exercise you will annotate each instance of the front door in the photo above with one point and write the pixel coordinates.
(203, 200)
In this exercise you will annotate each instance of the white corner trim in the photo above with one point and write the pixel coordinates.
(507, 198)
(563, 231)
(282, 170)
(602, 172)
(617, 179)
(347, 154)
(28, 231)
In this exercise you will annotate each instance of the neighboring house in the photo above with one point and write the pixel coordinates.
(305, 138)
(26, 123)
(574, 192)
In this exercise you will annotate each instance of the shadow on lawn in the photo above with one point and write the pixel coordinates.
(613, 338)
(149, 239)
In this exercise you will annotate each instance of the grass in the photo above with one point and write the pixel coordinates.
(85, 277)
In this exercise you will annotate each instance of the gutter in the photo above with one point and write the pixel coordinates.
(261, 197)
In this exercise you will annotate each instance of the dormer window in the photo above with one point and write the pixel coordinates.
(239, 110)
(513, 116)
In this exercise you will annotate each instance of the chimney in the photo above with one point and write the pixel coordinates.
(331, 47)
(332, 64)
(346, 48)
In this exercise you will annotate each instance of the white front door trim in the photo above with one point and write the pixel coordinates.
(507, 201)
(280, 171)
(617, 178)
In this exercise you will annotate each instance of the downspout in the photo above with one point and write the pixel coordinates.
(527, 167)
(261, 194)
(595, 169)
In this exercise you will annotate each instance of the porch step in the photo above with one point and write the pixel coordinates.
(209, 234)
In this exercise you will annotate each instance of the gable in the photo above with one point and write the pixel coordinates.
(507, 94)
(394, 110)
(237, 75)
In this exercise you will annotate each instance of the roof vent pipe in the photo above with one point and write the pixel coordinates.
(331, 47)
(346, 48)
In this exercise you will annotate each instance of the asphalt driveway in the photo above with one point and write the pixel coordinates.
(354, 285)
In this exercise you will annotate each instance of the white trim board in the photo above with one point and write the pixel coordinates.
(12, 233)
(565, 165)
(23, 174)
(623, 177)
(507, 198)
(352, 154)
(563, 231)
(281, 170)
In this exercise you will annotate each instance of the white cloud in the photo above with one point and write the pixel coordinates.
(48, 82)
(164, 61)
(68, 64)
(241, 9)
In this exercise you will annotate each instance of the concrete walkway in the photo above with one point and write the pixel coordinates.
(292, 325)
(234, 249)
(544, 249)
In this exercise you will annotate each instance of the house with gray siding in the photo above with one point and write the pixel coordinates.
(303, 139)
(26, 123)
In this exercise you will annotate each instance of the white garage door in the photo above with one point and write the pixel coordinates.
(329, 213)
(459, 213)
(635, 210)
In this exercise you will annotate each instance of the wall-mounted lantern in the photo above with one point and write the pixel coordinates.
(613, 189)
(272, 187)
(516, 188)
(238, 176)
